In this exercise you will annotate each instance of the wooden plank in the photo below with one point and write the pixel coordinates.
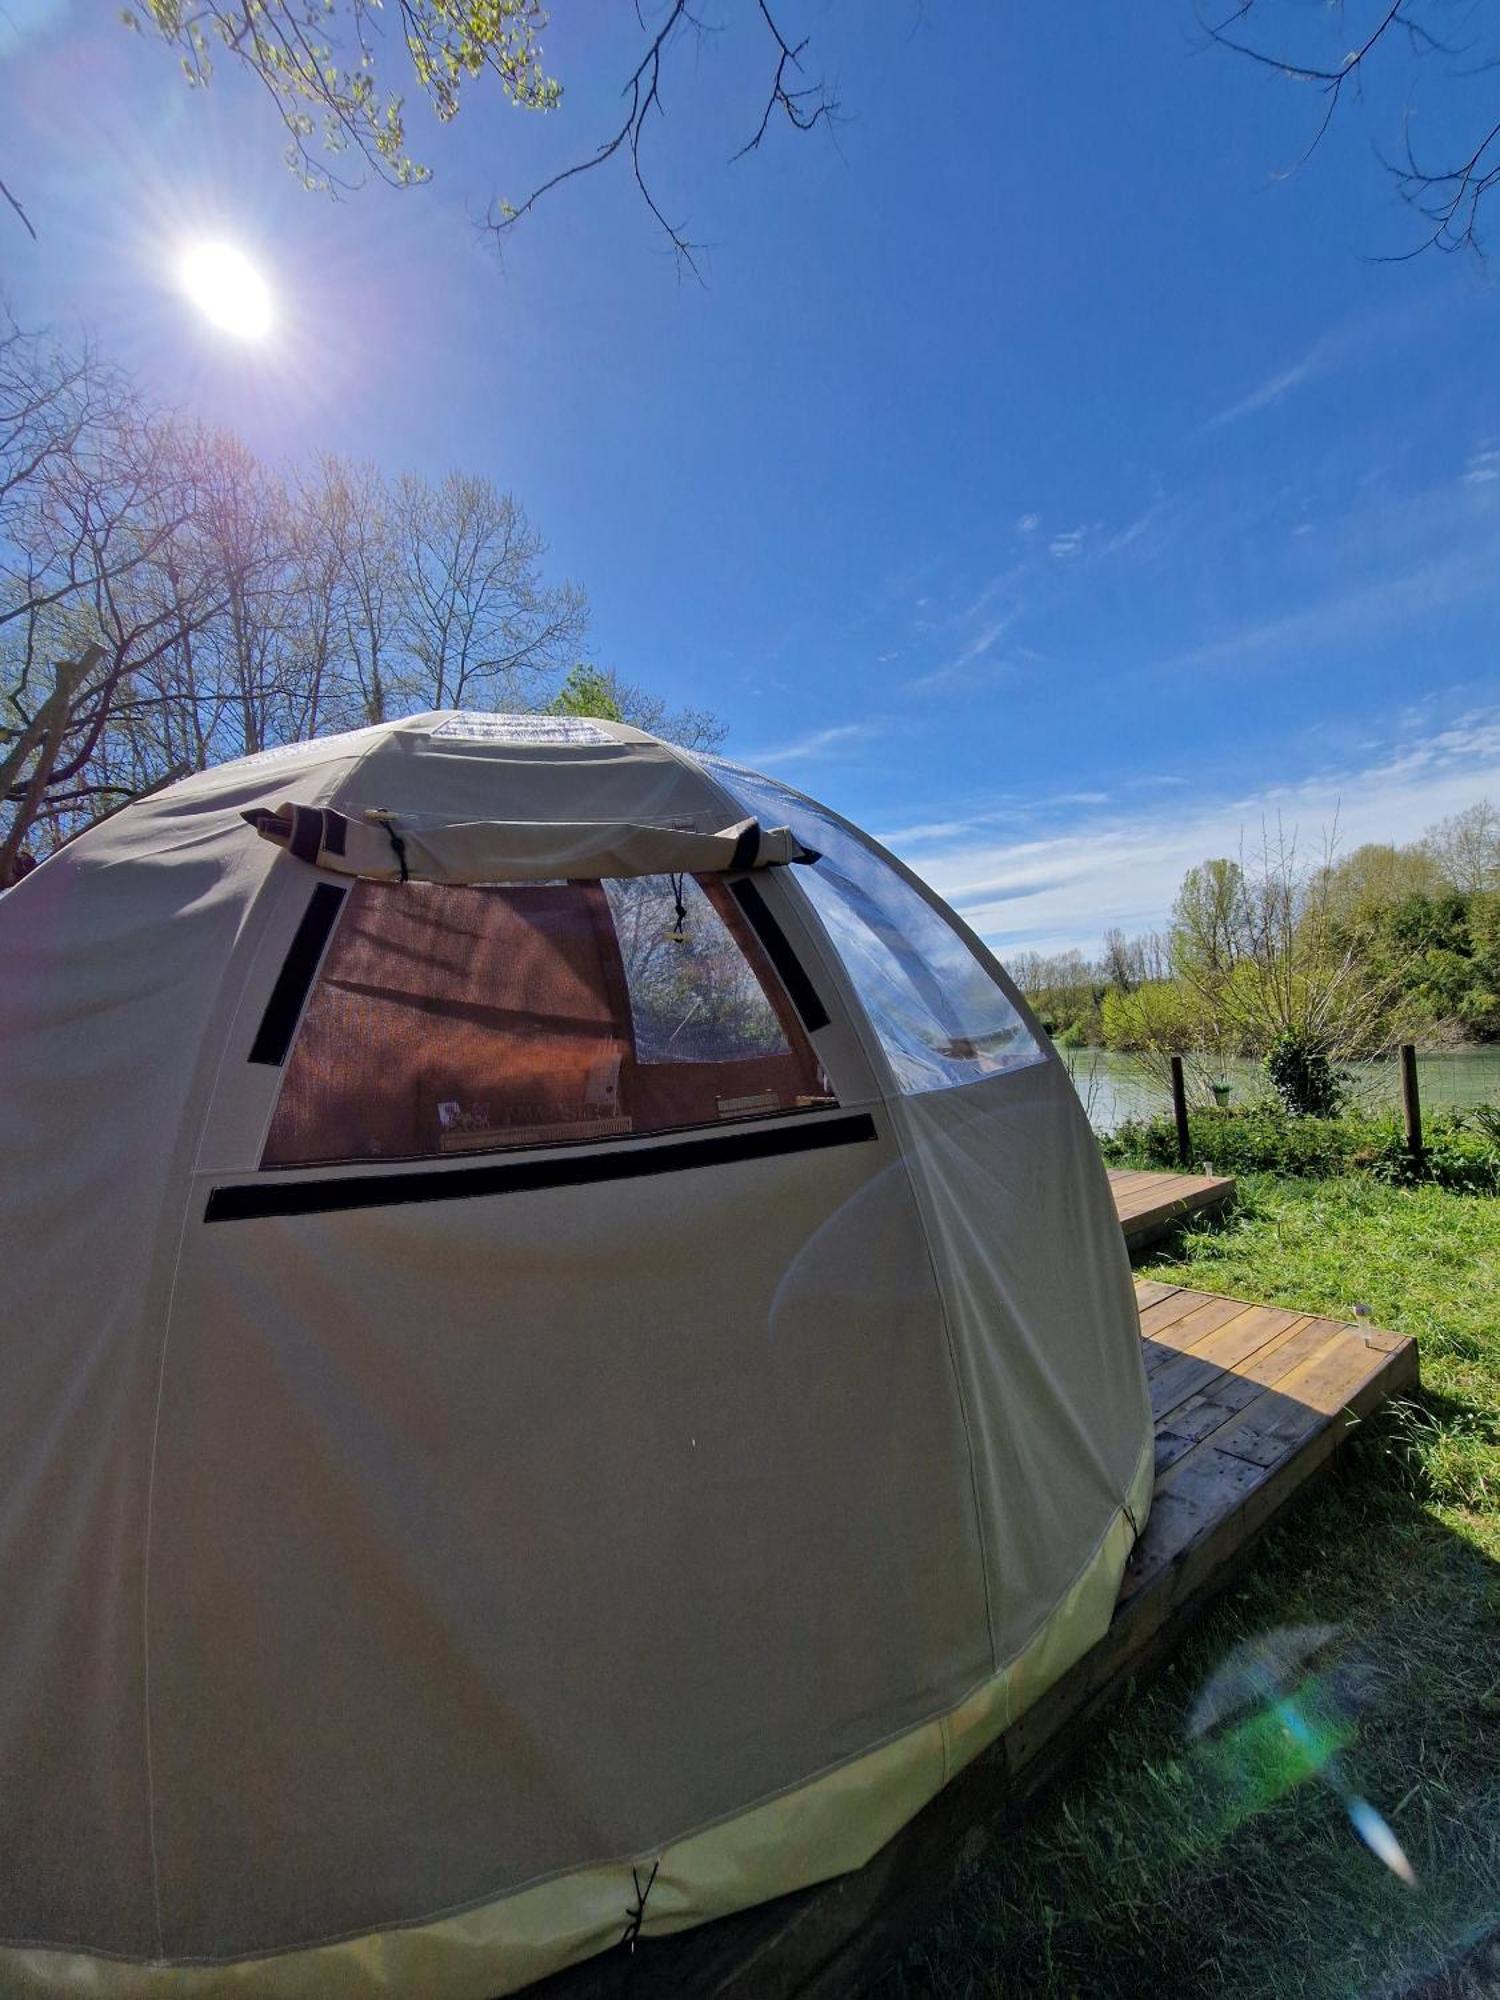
(1182, 1322)
(1179, 1196)
(1137, 1181)
(1202, 1413)
(1150, 1205)
(1226, 1347)
(1151, 1291)
(1291, 1410)
(1282, 1393)
(1203, 1502)
(1158, 1198)
(1168, 1187)
(1163, 1197)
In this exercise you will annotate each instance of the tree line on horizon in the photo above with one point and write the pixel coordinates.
(1301, 962)
(169, 601)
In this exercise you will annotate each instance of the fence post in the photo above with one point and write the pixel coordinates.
(1179, 1112)
(1411, 1103)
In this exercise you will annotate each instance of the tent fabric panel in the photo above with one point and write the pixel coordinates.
(428, 1476)
(1039, 1300)
(497, 1946)
(109, 982)
(629, 781)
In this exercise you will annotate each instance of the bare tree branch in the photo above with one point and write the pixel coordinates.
(804, 106)
(1447, 194)
(25, 218)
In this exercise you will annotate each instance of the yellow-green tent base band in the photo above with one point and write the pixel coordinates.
(835, 1823)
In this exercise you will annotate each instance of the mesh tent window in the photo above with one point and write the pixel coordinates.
(941, 1017)
(450, 1020)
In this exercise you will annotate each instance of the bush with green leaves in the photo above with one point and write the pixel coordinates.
(1305, 1082)
(1461, 1149)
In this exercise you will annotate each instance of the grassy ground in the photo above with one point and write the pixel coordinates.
(1164, 1866)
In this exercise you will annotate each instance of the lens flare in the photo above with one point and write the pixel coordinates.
(1279, 1713)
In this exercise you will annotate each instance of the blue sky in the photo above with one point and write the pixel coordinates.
(1043, 476)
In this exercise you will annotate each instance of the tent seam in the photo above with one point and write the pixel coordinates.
(963, 1405)
(148, 1526)
(890, 1096)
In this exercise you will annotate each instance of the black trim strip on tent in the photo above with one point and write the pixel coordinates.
(307, 833)
(284, 1008)
(626, 1160)
(747, 847)
(800, 989)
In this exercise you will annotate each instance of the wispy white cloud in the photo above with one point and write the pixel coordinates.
(1148, 534)
(1483, 467)
(1068, 543)
(1376, 604)
(1028, 524)
(1016, 811)
(817, 743)
(1343, 345)
(960, 669)
(1273, 388)
(1054, 889)
(1003, 582)
(924, 832)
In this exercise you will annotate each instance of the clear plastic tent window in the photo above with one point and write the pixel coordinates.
(452, 1020)
(473, 726)
(693, 996)
(941, 1018)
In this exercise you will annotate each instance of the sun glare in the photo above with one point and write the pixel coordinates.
(227, 289)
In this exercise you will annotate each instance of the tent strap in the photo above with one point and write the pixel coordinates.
(383, 846)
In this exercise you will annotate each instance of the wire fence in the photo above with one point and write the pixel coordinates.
(1114, 1087)
(1449, 1080)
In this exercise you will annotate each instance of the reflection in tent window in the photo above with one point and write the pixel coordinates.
(941, 1016)
(693, 996)
(460, 1020)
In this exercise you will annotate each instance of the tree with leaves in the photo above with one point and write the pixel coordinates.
(338, 72)
(596, 691)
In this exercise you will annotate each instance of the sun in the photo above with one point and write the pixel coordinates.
(227, 289)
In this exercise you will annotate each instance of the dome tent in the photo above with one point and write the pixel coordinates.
(569, 1360)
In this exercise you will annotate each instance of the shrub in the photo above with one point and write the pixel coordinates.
(1158, 1014)
(1462, 1147)
(1303, 1078)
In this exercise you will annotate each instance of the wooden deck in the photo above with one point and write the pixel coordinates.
(1151, 1205)
(1250, 1402)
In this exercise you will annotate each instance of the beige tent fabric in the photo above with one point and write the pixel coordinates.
(837, 1822)
(390, 847)
(383, 1584)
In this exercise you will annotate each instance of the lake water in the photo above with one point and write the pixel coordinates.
(1115, 1087)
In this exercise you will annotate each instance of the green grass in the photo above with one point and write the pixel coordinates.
(1168, 1866)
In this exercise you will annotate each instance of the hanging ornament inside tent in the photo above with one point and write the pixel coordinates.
(676, 934)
